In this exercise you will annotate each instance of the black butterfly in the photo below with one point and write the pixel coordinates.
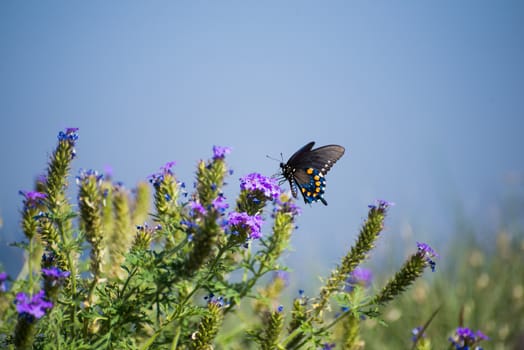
(306, 169)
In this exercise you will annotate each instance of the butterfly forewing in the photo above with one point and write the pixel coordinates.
(306, 169)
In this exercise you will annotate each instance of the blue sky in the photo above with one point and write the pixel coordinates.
(427, 98)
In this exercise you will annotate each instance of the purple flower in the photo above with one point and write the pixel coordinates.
(328, 346)
(84, 175)
(68, 135)
(213, 299)
(33, 198)
(219, 152)
(3, 278)
(281, 275)
(416, 333)
(196, 207)
(428, 254)
(244, 221)
(108, 171)
(34, 307)
(55, 273)
(481, 336)
(287, 206)
(280, 308)
(256, 182)
(156, 179)
(381, 205)
(465, 338)
(220, 204)
(166, 168)
(359, 276)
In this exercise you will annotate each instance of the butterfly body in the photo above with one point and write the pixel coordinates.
(306, 170)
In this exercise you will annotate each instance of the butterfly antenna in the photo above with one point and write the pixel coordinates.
(268, 156)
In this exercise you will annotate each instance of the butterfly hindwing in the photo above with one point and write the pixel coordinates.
(306, 169)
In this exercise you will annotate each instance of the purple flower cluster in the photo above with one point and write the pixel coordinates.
(213, 299)
(54, 276)
(68, 135)
(416, 333)
(219, 152)
(33, 198)
(83, 175)
(287, 206)
(281, 275)
(55, 273)
(465, 338)
(34, 307)
(428, 254)
(381, 205)
(360, 276)
(3, 278)
(156, 179)
(220, 203)
(196, 208)
(244, 221)
(256, 182)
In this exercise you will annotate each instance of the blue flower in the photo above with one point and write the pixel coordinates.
(213, 299)
(84, 175)
(68, 135)
(428, 254)
(381, 205)
(157, 179)
(416, 333)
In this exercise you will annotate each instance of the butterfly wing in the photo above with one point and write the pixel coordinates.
(306, 170)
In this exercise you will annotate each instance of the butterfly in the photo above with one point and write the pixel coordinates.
(307, 168)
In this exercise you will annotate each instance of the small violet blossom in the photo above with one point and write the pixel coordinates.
(3, 278)
(220, 203)
(157, 179)
(196, 207)
(55, 273)
(359, 276)
(68, 135)
(33, 198)
(465, 338)
(288, 206)
(428, 253)
(417, 333)
(281, 275)
(381, 205)
(34, 307)
(220, 152)
(244, 221)
(256, 182)
(213, 299)
(84, 175)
